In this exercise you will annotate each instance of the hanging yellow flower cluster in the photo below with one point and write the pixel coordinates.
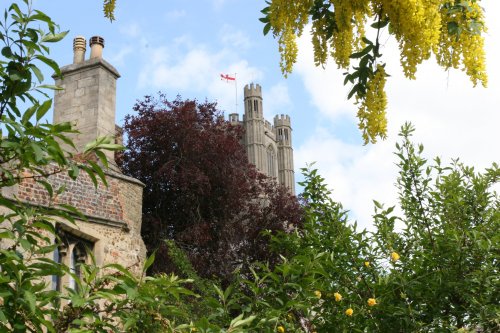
(371, 112)
(461, 43)
(451, 30)
(288, 19)
(350, 20)
(416, 24)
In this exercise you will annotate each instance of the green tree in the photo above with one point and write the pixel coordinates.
(439, 273)
(451, 30)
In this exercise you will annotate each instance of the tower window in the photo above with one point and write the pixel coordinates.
(249, 104)
(256, 105)
(280, 134)
(286, 135)
(271, 162)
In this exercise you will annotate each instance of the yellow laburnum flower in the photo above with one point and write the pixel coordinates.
(349, 312)
(367, 263)
(281, 329)
(394, 256)
(372, 301)
(338, 297)
(371, 111)
(317, 293)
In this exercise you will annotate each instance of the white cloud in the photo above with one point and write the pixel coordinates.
(117, 58)
(197, 69)
(452, 120)
(131, 30)
(234, 39)
(276, 100)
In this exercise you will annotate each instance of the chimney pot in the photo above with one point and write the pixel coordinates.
(79, 48)
(96, 45)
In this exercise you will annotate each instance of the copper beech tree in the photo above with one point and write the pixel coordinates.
(201, 190)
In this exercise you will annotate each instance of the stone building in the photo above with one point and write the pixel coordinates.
(269, 146)
(113, 214)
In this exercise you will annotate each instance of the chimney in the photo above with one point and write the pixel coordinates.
(79, 48)
(96, 45)
(88, 97)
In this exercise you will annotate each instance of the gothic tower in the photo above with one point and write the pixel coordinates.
(254, 126)
(268, 147)
(283, 131)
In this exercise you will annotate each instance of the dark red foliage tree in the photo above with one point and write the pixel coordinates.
(200, 189)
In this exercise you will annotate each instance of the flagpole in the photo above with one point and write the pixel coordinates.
(236, 93)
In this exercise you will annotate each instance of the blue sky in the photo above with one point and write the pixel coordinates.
(181, 47)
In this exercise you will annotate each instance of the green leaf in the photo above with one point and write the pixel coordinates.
(354, 90)
(53, 38)
(98, 170)
(51, 63)
(37, 72)
(7, 52)
(7, 234)
(49, 86)
(362, 53)
(2, 316)
(367, 41)
(28, 114)
(149, 261)
(267, 28)
(42, 110)
(380, 24)
(453, 28)
(102, 157)
(47, 186)
(39, 153)
(73, 172)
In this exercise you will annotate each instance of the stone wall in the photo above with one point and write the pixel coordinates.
(112, 214)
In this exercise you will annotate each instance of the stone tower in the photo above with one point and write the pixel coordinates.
(254, 125)
(283, 131)
(268, 147)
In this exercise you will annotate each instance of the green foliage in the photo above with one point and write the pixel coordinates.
(434, 268)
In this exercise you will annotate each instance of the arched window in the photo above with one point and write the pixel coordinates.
(78, 257)
(249, 105)
(56, 279)
(256, 105)
(271, 162)
(73, 252)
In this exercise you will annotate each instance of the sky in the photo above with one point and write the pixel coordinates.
(181, 47)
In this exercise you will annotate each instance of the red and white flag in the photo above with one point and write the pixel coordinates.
(227, 77)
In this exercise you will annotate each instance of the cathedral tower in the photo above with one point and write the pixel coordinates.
(269, 147)
(254, 126)
(283, 131)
